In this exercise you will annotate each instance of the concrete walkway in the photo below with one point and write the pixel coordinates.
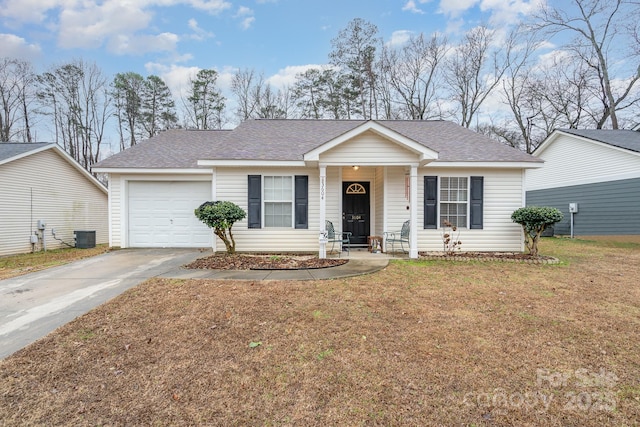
(33, 305)
(355, 267)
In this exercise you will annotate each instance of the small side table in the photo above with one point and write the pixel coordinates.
(374, 243)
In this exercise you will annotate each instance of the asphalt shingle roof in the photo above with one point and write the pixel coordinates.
(12, 149)
(289, 140)
(627, 139)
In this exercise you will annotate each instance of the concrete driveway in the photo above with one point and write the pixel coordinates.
(35, 304)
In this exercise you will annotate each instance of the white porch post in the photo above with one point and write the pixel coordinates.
(413, 215)
(322, 240)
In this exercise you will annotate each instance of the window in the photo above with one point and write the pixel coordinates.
(453, 200)
(278, 201)
(456, 199)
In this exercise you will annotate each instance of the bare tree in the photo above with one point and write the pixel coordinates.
(76, 97)
(473, 70)
(16, 95)
(242, 87)
(601, 30)
(413, 72)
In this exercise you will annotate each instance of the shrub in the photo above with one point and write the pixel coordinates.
(534, 220)
(450, 242)
(220, 216)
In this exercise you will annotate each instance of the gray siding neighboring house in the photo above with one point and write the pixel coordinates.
(40, 181)
(597, 169)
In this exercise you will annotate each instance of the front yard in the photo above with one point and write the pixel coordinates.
(419, 343)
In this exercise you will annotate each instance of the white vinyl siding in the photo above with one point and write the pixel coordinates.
(232, 186)
(378, 208)
(502, 195)
(571, 160)
(369, 148)
(45, 186)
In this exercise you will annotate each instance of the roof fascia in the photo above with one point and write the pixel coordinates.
(245, 163)
(487, 165)
(177, 171)
(385, 132)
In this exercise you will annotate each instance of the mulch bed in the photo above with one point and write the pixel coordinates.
(490, 256)
(263, 262)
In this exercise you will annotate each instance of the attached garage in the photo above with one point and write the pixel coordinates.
(161, 214)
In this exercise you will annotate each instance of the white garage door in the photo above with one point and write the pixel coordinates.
(161, 214)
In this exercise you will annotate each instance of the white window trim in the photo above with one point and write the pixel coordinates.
(440, 201)
(264, 202)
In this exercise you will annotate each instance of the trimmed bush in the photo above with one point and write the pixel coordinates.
(220, 216)
(534, 220)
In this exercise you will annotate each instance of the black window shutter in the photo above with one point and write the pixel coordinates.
(254, 216)
(430, 202)
(302, 201)
(477, 196)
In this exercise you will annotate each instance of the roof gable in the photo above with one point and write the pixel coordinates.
(425, 154)
(10, 152)
(626, 140)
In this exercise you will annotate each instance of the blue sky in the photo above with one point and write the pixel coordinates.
(175, 38)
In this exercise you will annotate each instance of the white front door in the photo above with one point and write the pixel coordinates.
(161, 214)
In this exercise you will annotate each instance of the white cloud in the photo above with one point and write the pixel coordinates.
(399, 38)
(12, 46)
(456, 7)
(287, 76)
(140, 44)
(246, 16)
(89, 27)
(27, 10)
(199, 33)
(411, 6)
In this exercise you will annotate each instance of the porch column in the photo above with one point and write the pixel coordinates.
(413, 215)
(322, 253)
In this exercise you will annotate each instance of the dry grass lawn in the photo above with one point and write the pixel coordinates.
(420, 343)
(17, 265)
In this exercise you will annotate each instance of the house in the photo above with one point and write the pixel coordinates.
(41, 183)
(365, 176)
(599, 171)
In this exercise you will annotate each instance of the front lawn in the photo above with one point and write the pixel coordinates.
(17, 265)
(419, 343)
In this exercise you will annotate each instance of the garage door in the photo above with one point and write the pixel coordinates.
(161, 214)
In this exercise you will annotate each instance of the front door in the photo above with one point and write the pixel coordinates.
(355, 211)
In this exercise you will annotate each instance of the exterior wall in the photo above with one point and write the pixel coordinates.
(232, 186)
(503, 194)
(369, 148)
(603, 208)
(575, 161)
(62, 196)
(118, 200)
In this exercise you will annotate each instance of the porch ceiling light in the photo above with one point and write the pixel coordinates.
(355, 168)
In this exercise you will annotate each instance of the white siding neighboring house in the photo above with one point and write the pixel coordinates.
(597, 169)
(367, 177)
(41, 182)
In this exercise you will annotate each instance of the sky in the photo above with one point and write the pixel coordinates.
(175, 38)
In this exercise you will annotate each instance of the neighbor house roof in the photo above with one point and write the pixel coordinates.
(627, 139)
(289, 140)
(10, 151)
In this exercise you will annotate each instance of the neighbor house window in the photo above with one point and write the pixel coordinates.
(278, 201)
(454, 192)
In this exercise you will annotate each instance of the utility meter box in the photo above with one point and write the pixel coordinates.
(573, 208)
(42, 224)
